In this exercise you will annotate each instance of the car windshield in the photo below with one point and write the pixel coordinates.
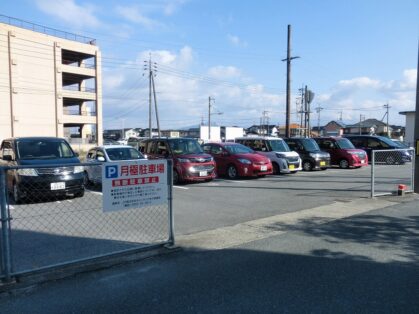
(400, 144)
(185, 146)
(388, 141)
(43, 149)
(310, 145)
(123, 153)
(344, 143)
(279, 146)
(238, 149)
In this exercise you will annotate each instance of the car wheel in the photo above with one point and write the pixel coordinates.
(232, 172)
(79, 194)
(344, 164)
(86, 180)
(175, 177)
(307, 166)
(390, 160)
(276, 168)
(17, 199)
(324, 169)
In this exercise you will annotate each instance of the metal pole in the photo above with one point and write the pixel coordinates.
(149, 98)
(170, 201)
(372, 173)
(413, 169)
(209, 118)
(5, 226)
(416, 131)
(288, 105)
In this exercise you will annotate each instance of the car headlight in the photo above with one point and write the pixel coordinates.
(314, 155)
(245, 161)
(280, 155)
(353, 153)
(78, 169)
(184, 160)
(29, 172)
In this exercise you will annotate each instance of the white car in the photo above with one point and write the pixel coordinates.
(283, 159)
(107, 153)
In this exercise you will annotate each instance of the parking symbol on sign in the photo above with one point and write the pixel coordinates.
(111, 171)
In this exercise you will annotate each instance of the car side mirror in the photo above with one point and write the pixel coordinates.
(7, 157)
(77, 154)
(101, 159)
(225, 154)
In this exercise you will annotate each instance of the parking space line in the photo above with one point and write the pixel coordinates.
(234, 181)
(181, 187)
(95, 192)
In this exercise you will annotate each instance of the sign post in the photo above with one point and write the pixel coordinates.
(134, 184)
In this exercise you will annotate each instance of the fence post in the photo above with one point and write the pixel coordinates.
(5, 226)
(413, 169)
(170, 201)
(372, 173)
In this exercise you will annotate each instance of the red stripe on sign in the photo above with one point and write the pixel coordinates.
(134, 181)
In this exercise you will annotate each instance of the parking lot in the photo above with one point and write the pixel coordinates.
(52, 232)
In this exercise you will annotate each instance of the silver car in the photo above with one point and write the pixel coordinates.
(107, 153)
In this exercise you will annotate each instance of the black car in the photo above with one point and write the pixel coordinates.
(311, 155)
(369, 143)
(55, 179)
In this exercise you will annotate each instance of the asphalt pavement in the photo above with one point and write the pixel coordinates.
(362, 257)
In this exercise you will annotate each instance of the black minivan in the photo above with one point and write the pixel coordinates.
(33, 184)
(311, 155)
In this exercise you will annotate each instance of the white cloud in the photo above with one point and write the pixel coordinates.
(224, 72)
(70, 12)
(182, 96)
(134, 14)
(236, 41)
(409, 79)
(366, 96)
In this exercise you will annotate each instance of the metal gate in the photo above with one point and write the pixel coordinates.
(392, 169)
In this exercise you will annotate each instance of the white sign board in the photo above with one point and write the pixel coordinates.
(134, 184)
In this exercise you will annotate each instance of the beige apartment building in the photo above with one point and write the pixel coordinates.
(50, 84)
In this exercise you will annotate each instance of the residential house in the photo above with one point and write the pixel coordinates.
(410, 127)
(369, 126)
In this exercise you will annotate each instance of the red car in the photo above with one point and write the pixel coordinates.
(235, 160)
(342, 152)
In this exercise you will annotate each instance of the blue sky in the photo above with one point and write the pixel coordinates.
(355, 56)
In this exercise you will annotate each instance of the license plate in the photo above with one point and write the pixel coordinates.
(58, 186)
(263, 168)
(322, 163)
(291, 167)
(203, 173)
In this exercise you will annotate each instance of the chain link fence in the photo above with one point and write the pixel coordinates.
(52, 216)
(392, 169)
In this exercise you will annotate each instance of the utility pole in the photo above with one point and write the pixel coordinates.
(302, 111)
(387, 107)
(318, 109)
(288, 106)
(209, 116)
(151, 68)
(340, 115)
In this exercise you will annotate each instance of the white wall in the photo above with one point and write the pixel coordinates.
(233, 132)
(215, 133)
